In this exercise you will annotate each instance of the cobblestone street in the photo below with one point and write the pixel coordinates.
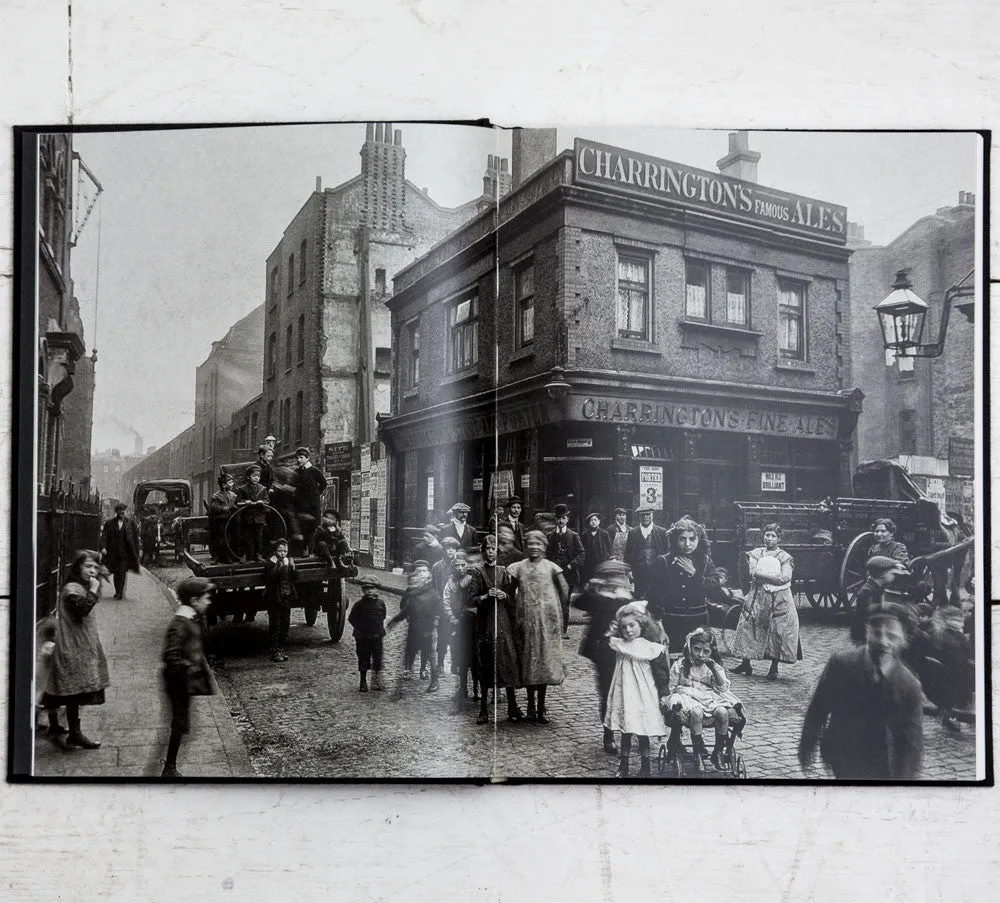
(305, 717)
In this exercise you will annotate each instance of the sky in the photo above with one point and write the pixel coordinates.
(187, 218)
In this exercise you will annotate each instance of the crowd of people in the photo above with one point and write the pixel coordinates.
(499, 602)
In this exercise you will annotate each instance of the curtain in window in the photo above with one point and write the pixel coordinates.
(736, 298)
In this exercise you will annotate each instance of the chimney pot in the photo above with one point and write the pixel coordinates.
(740, 162)
(503, 164)
(397, 138)
(369, 131)
(378, 132)
(388, 133)
(319, 183)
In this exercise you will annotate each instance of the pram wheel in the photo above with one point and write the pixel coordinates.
(739, 769)
(661, 759)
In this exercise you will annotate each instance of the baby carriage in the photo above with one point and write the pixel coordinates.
(686, 763)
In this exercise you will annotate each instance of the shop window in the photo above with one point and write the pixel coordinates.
(302, 338)
(288, 348)
(737, 297)
(524, 296)
(633, 297)
(908, 432)
(719, 447)
(808, 453)
(291, 273)
(463, 334)
(696, 290)
(302, 261)
(413, 366)
(791, 320)
(272, 355)
(505, 450)
(774, 451)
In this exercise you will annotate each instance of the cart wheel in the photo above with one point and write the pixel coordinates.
(825, 599)
(311, 611)
(852, 571)
(336, 609)
(661, 759)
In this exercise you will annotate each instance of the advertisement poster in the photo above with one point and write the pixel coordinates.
(651, 486)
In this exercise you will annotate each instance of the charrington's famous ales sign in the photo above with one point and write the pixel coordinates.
(604, 166)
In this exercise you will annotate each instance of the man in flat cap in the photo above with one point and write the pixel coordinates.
(618, 534)
(880, 573)
(459, 528)
(120, 547)
(645, 543)
(566, 550)
(866, 714)
(596, 546)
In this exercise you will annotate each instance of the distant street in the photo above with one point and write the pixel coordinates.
(306, 718)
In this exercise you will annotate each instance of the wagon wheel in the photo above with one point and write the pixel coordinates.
(335, 609)
(661, 759)
(852, 570)
(824, 599)
(727, 632)
(275, 529)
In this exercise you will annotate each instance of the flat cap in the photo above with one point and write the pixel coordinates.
(459, 508)
(192, 587)
(369, 580)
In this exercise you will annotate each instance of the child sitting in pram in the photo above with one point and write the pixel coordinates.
(699, 690)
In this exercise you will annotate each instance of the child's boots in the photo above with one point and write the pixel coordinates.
(377, 681)
(609, 742)
(363, 686)
(644, 767)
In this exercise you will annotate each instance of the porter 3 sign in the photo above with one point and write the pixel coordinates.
(630, 172)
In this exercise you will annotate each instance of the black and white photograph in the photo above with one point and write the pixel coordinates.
(440, 451)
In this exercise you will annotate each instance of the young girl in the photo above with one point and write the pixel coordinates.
(540, 594)
(79, 670)
(699, 687)
(638, 683)
(279, 596)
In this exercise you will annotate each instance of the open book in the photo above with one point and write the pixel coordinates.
(479, 437)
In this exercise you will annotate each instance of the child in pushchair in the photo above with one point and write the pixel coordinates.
(699, 694)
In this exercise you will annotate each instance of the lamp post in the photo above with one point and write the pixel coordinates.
(902, 315)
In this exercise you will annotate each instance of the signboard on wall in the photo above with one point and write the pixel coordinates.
(651, 486)
(477, 484)
(961, 457)
(580, 443)
(337, 456)
(772, 482)
(525, 480)
(430, 493)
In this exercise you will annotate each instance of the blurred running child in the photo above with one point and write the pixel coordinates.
(279, 597)
(420, 607)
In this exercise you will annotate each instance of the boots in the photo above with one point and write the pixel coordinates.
(623, 767)
(532, 713)
(540, 715)
(719, 752)
(484, 715)
(743, 667)
(363, 687)
(644, 766)
(377, 680)
(433, 686)
(609, 742)
(76, 737)
(623, 762)
(514, 712)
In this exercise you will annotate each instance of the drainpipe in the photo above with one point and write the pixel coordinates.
(366, 394)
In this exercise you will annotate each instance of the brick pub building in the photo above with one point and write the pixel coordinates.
(625, 329)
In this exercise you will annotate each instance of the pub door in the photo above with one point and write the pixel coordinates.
(584, 486)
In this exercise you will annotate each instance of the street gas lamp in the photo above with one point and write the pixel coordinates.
(902, 315)
(557, 388)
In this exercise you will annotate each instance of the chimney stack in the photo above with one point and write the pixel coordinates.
(319, 183)
(856, 236)
(496, 175)
(741, 162)
(531, 149)
(966, 199)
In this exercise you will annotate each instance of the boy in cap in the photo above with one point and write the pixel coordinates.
(880, 572)
(253, 496)
(566, 550)
(441, 573)
(330, 544)
(596, 547)
(185, 668)
(367, 617)
(866, 714)
(429, 549)
(310, 484)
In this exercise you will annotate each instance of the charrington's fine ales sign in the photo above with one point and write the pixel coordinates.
(706, 417)
(631, 172)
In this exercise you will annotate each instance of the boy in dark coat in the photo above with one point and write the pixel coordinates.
(566, 550)
(279, 596)
(253, 496)
(330, 544)
(420, 607)
(880, 572)
(367, 617)
(309, 487)
(596, 547)
(220, 506)
(185, 668)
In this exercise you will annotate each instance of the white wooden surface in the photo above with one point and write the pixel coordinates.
(897, 63)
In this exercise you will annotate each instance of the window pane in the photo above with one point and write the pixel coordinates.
(463, 311)
(623, 301)
(631, 270)
(637, 318)
(697, 301)
(525, 282)
(527, 322)
(736, 297)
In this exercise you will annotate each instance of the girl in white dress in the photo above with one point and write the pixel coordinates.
(639, 681)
